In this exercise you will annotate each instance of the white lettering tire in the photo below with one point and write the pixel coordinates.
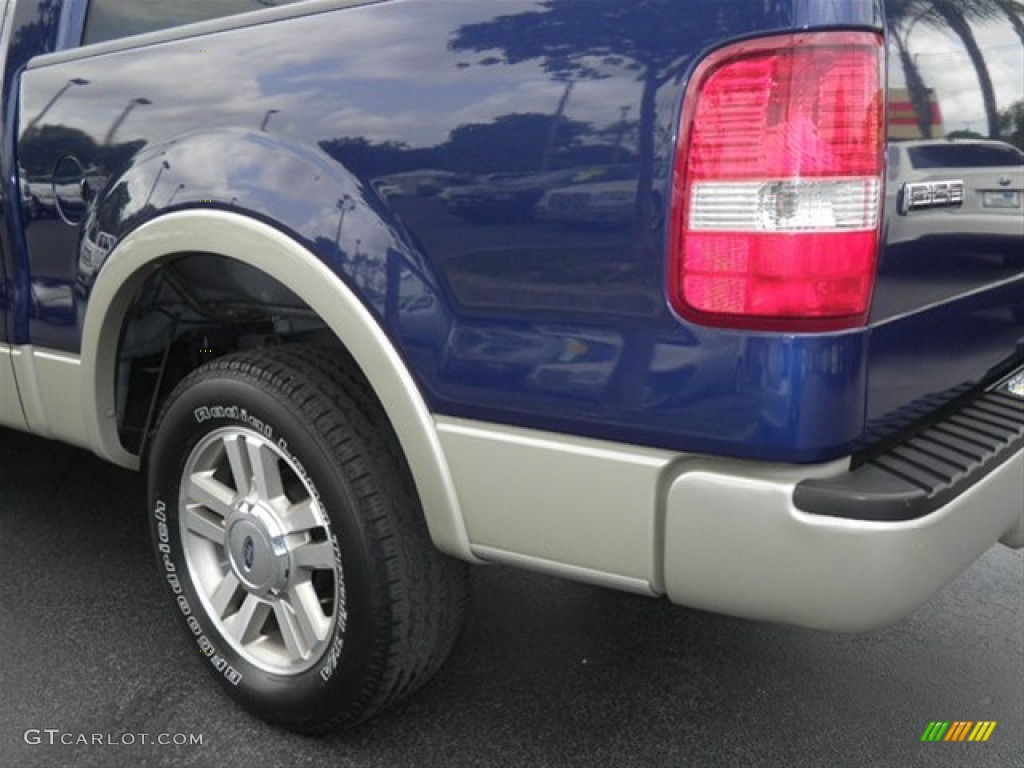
(287, 526)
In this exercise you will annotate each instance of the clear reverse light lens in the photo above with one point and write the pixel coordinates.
(785, 206)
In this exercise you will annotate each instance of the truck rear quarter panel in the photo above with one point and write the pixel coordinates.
(446, 159)
(491, 180)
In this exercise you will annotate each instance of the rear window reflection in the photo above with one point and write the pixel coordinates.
(964, 156)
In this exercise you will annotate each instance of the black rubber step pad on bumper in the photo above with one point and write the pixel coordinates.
(925, 471)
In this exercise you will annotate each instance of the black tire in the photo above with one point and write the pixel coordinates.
(394, 605)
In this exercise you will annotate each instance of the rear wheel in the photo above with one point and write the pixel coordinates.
(287, 527)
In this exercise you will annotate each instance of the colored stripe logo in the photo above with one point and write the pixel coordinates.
(958, 730)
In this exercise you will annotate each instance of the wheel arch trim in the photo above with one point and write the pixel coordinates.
(279, 256)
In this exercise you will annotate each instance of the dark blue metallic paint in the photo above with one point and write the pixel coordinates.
(490, 178)
(823, 13)
(31, 28)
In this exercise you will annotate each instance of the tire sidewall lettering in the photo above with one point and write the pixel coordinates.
(234, 413)
(237, 414)
(203, 642)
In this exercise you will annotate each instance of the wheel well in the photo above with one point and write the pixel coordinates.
(127, 289)
(194, 308)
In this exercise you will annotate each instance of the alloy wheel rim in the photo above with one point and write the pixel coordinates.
(259, 550)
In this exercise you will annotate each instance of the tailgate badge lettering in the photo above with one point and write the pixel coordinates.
(918, 195)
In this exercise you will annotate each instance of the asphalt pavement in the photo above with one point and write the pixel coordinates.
(548, 672)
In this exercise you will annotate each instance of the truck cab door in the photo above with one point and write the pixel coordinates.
(5, 267)
(10, 407)
(27, 28)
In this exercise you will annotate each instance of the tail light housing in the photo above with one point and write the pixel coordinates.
(777, 191)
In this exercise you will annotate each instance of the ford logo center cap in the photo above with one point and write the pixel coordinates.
(248, 553)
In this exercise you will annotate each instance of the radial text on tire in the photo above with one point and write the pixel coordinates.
(287, 527)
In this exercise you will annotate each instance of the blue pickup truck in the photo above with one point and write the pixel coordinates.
(715, 300)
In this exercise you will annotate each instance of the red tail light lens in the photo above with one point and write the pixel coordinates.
(778, 184)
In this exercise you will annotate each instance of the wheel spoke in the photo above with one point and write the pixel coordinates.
(237, 460)
(203, 523)
(302, 516)
(266, 474)
(204, 489)
(291, 631)
(316, 555)
(246, 625)
(225, 592)
(310, 615)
